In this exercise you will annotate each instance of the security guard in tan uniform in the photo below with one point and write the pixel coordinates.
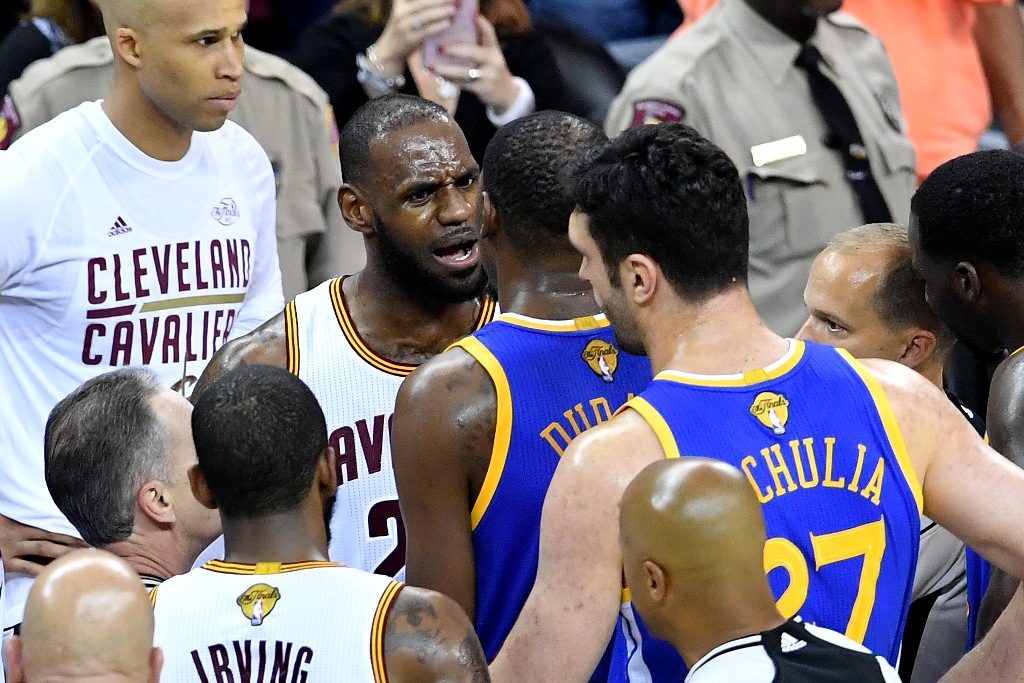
(821, 145)
(282, 107)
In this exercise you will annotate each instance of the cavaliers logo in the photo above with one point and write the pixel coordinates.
(258, 602)
(603, 359)
(771, 410)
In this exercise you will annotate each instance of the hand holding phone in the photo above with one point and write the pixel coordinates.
(462, 30)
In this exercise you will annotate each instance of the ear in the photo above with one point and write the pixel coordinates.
(156, 664)
(919, 349)
(127, 46)
(155, 500)
(327, 473)
(356, 209)
(13, 659)
(657, 582)
(490, 224)
(639, 275)
(197, 482)
(967, 284)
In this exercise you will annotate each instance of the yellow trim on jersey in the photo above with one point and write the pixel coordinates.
(348, 328)
(152, 596)
(291, 336)
(380, 622)
(657, 423)
(1016, 352)
(357, 344)
(749, 378)
(892, 428)
(502, 425)
(588, 322)
(626, 596)
(222, 567)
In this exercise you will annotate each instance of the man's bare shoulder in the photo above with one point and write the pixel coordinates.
(429, 638)
(450, 399)
(614, 451)
(900, 383)
(266, 345)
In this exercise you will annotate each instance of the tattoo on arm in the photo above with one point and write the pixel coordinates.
(430, 630)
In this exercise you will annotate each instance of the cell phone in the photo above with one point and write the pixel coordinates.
(461, 30)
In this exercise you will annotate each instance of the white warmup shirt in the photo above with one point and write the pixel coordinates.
(357, 390)
(314, 622)
(112, 258)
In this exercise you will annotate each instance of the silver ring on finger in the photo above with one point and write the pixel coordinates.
(417, 25)
(474, 74)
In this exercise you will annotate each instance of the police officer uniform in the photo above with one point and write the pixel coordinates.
(280, 106)
(733, 76)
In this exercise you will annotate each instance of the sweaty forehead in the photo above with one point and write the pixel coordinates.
(424, 149)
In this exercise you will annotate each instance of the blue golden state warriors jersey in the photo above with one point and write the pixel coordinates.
(816, 438)
(554, 380)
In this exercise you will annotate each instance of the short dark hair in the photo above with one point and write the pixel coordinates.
(102, 442)
(259, 432)
(667, 192)
(374, 120)
(899, 299)
(972, 207)
(524, 176)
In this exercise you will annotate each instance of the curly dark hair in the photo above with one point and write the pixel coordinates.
(972, 207)
(524, 176)
(666, 192)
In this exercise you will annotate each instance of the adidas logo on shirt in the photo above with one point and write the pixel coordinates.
(791, 644)
(120, 228)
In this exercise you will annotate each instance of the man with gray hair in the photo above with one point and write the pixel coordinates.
(134, 439)
(865, 295)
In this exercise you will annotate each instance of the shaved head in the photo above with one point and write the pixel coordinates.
(694, 515)
(87, 615)
(134, 14)
(692, 537)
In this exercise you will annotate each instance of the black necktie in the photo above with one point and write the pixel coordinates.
(845, 136)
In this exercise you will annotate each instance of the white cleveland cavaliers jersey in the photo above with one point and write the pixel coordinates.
(356, 389)
(315, 622)
(111, 258)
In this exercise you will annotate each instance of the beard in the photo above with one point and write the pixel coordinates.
(423, 283)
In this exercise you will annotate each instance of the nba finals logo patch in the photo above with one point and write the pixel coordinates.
(258, 602)
(603, 359)
(771, 410)
(226, 212)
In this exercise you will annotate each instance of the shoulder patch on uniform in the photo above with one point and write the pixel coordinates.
(646, 112)
(10, 122)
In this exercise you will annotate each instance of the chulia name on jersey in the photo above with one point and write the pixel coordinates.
(809, 463)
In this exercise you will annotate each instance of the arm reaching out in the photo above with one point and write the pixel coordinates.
(572, 611)
(968, 487)
(441, 442)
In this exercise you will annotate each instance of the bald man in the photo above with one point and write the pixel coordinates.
(138, 230)
(87, 617)
(692, 538)
(865, 295)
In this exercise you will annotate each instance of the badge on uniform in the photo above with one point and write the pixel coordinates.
(10, 122)
(651, 112)
(778, 150)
